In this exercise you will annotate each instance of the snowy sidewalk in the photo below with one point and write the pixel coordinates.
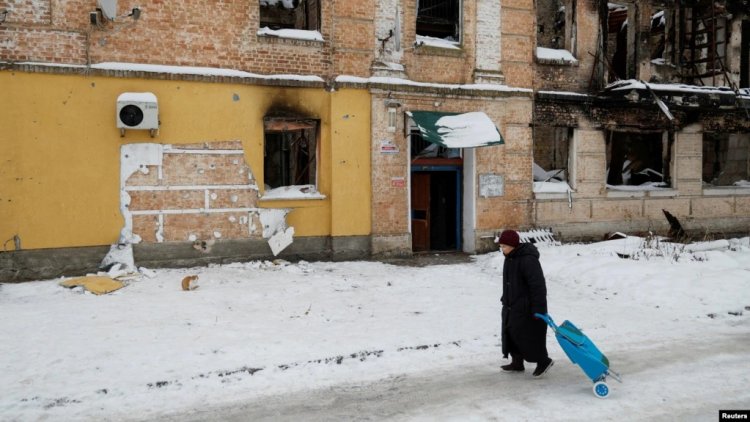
(257, 330)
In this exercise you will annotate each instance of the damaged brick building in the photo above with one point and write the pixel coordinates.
(204, 131)
(640, 107)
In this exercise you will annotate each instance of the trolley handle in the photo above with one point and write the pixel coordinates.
(548, 319)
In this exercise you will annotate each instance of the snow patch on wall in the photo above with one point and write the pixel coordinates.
(134, 157)
(275, 229)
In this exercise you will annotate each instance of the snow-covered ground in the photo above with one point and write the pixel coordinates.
(368, 340)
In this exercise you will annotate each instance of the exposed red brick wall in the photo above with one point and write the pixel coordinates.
(195, 194)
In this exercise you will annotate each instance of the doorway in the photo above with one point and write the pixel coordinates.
(436, 208)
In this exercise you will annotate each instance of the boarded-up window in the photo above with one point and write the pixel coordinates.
(439, 19)
(290, 152)
(290, 14)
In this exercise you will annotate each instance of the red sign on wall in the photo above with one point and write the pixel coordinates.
(398, 182)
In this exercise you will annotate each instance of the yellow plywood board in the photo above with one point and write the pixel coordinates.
(97, 285)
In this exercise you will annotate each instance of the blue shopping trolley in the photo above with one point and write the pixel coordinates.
(582, 351)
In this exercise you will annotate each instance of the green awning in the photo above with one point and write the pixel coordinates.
(452, 130)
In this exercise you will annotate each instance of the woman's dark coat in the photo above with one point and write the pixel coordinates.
(524, 294)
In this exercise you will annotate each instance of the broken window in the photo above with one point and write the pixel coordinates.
(290, 152)
(551, 154)
(704, 42)
(745, 56)
(556, 24)
(639, 159)
(421, 148)
(657, 37)
(726, 159)
(617, 41)
(290, 14)
(439, 19)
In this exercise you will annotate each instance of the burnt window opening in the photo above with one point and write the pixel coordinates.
(639, 159)
(704, 45)
(556, 24)
(290, 14)
(439, 19)
(290, 152)
(726, 159)
(658, 36)
(421, 148)
(552, 148)
(617, 41)
(745, 56)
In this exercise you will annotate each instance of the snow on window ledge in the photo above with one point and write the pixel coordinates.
(554, 56)
(639, 191)
(291, 34)
(552, 187)
(552, 190)
(425, 41)
(292, 192)
(739, 188)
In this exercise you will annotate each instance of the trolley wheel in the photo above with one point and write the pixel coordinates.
(601, 389)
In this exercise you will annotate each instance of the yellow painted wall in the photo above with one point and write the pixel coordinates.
(60, 151)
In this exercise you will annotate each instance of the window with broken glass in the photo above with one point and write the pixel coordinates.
(290, 152)
(556, 24)
(290, 14)
(639, 160)
(421, 148)
(551, 156)
(439, 19)
(726, 159)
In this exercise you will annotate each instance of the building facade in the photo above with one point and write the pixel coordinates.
(641, 107)
(200, 131)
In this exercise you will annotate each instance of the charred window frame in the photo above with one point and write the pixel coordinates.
(726, 159)
(703, 34)
(639, 159)
(290, 14)
(439, 19)
(290, 152)
(552, 153)
(556, 24)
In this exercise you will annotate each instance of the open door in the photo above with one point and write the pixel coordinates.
(420, 212)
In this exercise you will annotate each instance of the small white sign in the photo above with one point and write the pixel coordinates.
(388, 147)
(491, 185)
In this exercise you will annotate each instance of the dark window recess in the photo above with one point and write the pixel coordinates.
(638, 159)
(745, 56)
(725, 158)
(439, 19)
(421, 148)
(290, 152)
(290, 14)
(551, 153)
(551, 24)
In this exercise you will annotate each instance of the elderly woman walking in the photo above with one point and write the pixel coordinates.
(524, 336)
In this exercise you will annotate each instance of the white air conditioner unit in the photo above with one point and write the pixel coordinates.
(137, 110)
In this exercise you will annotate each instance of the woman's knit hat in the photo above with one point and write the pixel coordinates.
(510, 238)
